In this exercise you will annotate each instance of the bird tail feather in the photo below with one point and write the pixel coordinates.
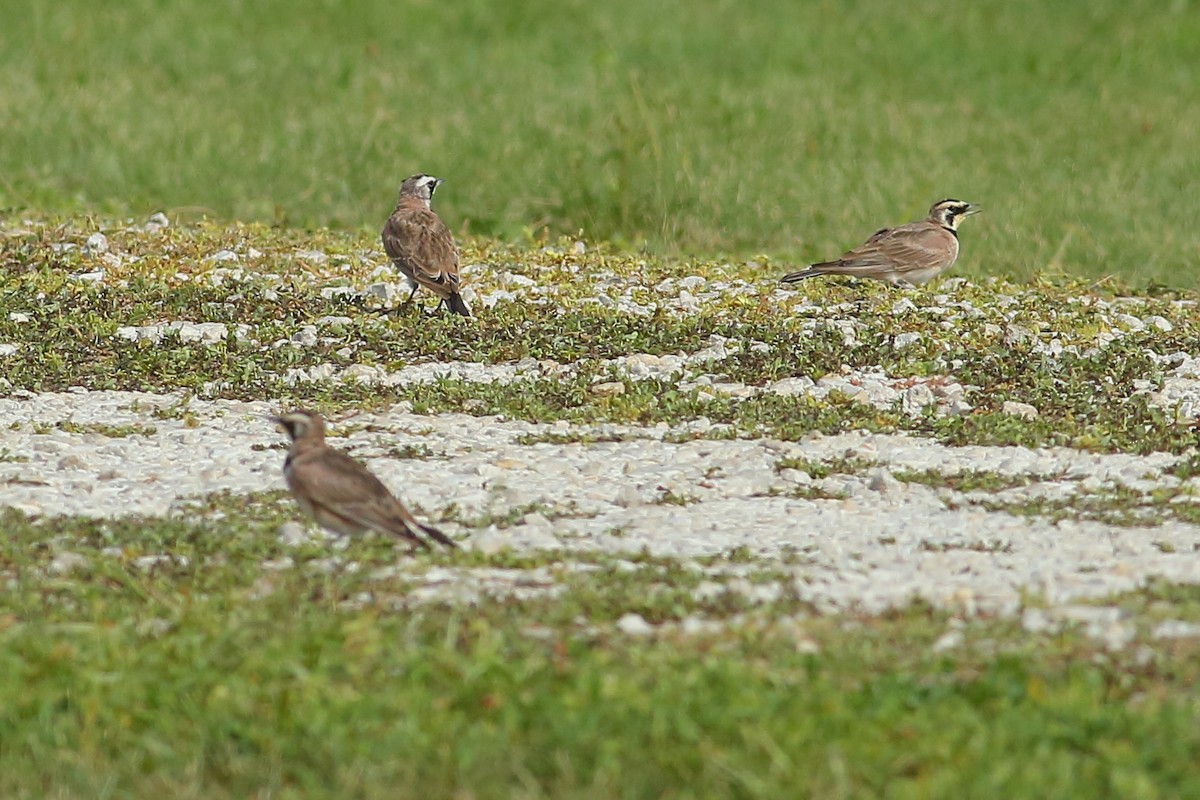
(792, 277)
(455, 303)
(434, 533)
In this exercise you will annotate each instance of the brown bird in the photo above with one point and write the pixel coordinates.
(339, 493)
(907, 255)
(420, 244)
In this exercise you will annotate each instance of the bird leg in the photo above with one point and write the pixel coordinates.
(404, 306)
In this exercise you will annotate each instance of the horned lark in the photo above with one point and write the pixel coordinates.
(339, 493)
(907, 255)
(420, 244)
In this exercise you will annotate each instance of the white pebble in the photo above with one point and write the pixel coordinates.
(634, 625)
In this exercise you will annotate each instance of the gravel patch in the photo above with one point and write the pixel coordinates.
(863, 540)
(872, 386)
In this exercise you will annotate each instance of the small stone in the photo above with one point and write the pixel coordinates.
(534, 519)
(539, 632)
(386, 293)
(314, 256)
(628, 496)
(204, 332)
(293, 534)
(96, 244)
(1114, 637)
(66, 562)
(948, 641)
(695, 625)
(1015, 335)
(916, 398)
(306, 336)
(903, 340)
(791, 387)
(334, 322)
(957, 407)
(510, 463)
(634, 625)
(734, 389)
(490, 542)
(325, 566)
(365, 373)
(608, 389)
(157, 222)
(515, 279)
(1089, 615)
(8, 349)
(1037, 620)
(758, 592)
(439, 575)
(1130, 323)
(881, 480)
(1023, 410)
(149, 562)
(1176, 629)
(154, 628)
(807, 646)
(798, 477)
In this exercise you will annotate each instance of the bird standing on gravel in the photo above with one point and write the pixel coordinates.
(339, 493)
(420, 244)
(907, 255)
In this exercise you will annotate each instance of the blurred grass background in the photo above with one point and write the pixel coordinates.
(701, 127)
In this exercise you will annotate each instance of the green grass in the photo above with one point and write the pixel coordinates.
(1087, 396)
(238, 667)
(970, 480)
(780, 128)
(214, 676)
(780, 132)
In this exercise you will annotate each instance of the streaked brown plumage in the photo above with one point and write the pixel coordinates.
(907, 255)
(339, 493)
(420, 244)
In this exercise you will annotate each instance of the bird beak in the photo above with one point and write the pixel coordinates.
(972, 208)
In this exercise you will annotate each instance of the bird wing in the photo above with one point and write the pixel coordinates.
(385, 516)
(349, 490)
(908, 247)
(879, 234)
(421, 245)
(388, 515)
(335, 478)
